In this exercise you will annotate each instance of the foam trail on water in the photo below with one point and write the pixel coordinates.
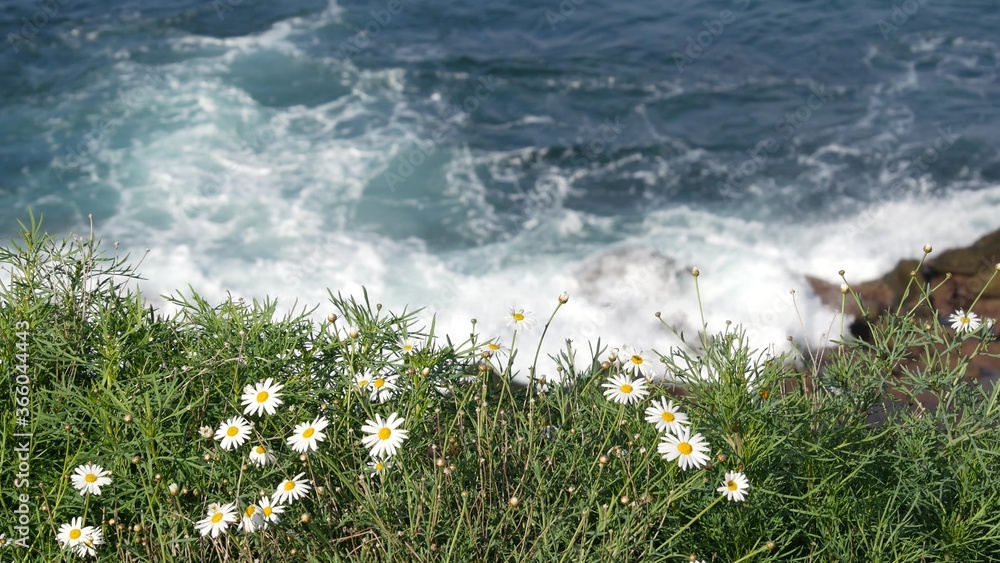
(747, 269)
(240, 186)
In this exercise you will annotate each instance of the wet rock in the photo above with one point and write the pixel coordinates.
(957, 278)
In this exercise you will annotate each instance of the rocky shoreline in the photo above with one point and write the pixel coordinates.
(958, 274)
(956, 277)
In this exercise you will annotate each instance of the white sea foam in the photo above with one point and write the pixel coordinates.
(748, 270)
(284, 215)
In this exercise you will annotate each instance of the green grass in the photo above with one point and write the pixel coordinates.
(489, 472)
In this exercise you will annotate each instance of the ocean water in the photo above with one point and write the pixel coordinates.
(470, 157)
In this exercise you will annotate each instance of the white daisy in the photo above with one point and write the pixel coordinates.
(542, 384)
(625, 390)
(263, 397)
(964, 322)
(363, 381)
(377, 467)
(307, 435)
(383, 435)
(218, 519)
(206, 432)
(665, 416)
(269, 512)
(233, 432)
(408, 346)
(91, 541)
(261, 455)
(383, 387)
(734, 486)
(689, 451)
(252, 520)
(519, 318)
(496, 348)
(72, 534)
(633, 359)
(90, 478)
(292, 489)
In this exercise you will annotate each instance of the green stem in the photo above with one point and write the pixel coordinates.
(534, 364)
(693, 520)
(983, 290)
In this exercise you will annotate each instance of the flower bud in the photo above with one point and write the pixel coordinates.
(563, 297)
(927, 249)
(695, 272)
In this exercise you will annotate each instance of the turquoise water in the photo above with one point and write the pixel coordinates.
(472, 157)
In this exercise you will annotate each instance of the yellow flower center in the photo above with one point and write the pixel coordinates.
(90, 478)
(261, 450)
(685, 448)
(289, 485)
(667, 416)
(379, 466)
(363, 383)
(250, 511)
(384, 434)
(493, 347)
(731, 485)
(267, 511)
(626, 388)
(309, 432)
(74, 533)
(518, 317)
(217, 517)
(262, 396)
(636, 359)
(233, 430)
(379, 382)
(965, 320)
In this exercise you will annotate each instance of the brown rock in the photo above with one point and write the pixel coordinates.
(976, 260)
(877, 296)
(957, 278)
(970, 272)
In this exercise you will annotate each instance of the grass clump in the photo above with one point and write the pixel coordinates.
(582, 466)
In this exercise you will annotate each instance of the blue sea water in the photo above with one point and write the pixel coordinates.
(472, 156)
